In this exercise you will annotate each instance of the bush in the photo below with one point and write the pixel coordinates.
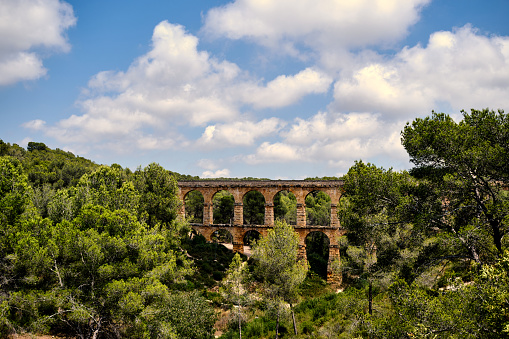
(218, 276)
(307, 327)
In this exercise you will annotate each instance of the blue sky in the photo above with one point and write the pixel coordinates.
(282, 89)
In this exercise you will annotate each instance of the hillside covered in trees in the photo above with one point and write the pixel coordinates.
(94, 251)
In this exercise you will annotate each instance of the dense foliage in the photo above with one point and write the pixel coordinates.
(94, 251)
(94, 256)
(278, 267)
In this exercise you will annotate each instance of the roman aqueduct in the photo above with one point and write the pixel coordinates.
(269, 189)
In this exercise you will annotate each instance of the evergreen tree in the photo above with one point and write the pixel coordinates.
(276, 263)
(373, 210)
(465, 174)
(234, 289)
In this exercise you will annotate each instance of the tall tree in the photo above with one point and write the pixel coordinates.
(276, 258)
(233, 286)
(158, 188)
(372, 211)
(465, 170)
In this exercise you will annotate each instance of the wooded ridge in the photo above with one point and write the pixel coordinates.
(95, 251)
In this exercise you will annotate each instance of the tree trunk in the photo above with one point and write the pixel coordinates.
(471, 248)
(96, 332)
(294, 323)
(58, 273)
(370, 298)
(494, 222)
(497, 235)
(277, 325)
(240, 325)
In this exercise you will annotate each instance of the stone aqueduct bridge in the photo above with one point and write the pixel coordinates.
(269, 188)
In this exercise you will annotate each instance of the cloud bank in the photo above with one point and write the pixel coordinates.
(177, 96)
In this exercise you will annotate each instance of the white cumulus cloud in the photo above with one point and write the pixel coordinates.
(335, 139)
(286, 90)
(35, 125)
(238, 133)
(325, 26)
(178, 96)
(461, 68)
(223, 173)
(28, 25)
(176, 86)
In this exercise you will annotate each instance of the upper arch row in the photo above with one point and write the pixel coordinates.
(268, 188)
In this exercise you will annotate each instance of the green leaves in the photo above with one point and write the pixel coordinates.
(318, 207)
(277, 261)
(158, 190)
(478, 309)
(465, 168)
(492, 297)
(443, 314)
(109, 268)
(254, 208)
(285, 207)
(223, 202)
(233, 284)
(13, 191)
(94, 267)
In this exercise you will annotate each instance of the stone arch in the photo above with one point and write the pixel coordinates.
(285, 206)
(249, 236)
(318, 208)
(203, 231)
(317, 252)
(253, 208)
(221, 235)
(223, 205)
(193, 206)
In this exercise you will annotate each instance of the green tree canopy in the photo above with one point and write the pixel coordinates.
(285, 207)
(39, 146)
(234, 287)
(465, 170)
(276, 258)
(159, 193)
(373, 210)
(13, 191)
(318, 208)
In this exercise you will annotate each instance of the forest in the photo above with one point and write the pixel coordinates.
(96, 251)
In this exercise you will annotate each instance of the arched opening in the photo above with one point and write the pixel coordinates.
(223, 204)
(285, 207)
(318, 208)
(221, 236)
(250, 237)
(317, 252)
(194, 207)
(254, 208)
